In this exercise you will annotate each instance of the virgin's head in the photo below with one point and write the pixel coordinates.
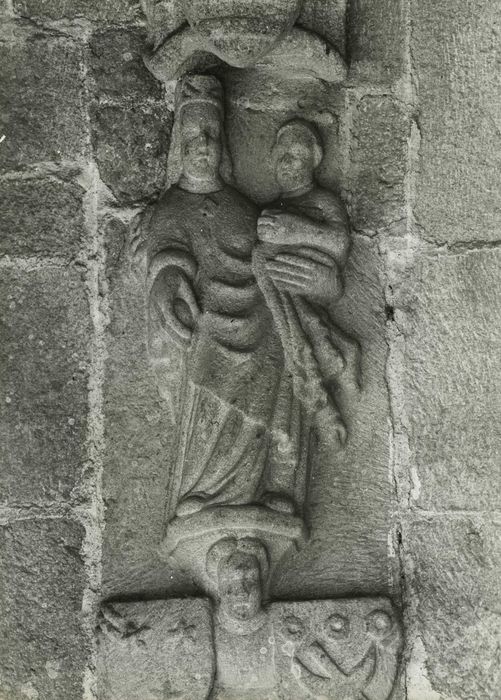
(196, 153)
(201, 147)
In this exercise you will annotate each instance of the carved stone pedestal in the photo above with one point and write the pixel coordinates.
(190, 538)
(183, 650)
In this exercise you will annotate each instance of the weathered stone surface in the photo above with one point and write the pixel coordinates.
(379, 147)
(117, 66)
(454, 569)
(358, 635)
(117, 11)
(377, 40)
(42, 217)
(156, 649)
(43, 358)
(453, 379)
(138, 433)
(162, 19)
(261, 34)
(42, 645)
(456, 57)
(131, 146)
(350, 512)
(42, 115)
(328, 20)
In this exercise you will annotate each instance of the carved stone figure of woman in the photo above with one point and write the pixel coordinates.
(203, 293)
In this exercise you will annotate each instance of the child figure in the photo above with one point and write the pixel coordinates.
(303, 244)
(307, 229)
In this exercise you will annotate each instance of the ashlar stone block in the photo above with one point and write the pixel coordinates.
(43, 649)
(456, 57)
(379, 145)
(376, 39)
(41, 217)
(453, 379)
(45, 333)
(117, 67)
(137, 136)
(42, 114)
(456, 568)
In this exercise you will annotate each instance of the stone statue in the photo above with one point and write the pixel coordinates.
(203, 290)
(264, 382)
(247, 298)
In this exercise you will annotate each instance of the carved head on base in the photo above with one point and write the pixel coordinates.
(238, 569)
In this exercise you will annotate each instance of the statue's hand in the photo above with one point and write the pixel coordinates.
(173, 297)
(272, 227)
(306, 272)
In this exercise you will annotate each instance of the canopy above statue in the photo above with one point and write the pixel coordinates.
(244, 34)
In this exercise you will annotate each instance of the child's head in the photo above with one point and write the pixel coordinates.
(296, 154)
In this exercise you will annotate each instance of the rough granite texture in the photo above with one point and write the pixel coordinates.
(43, 648)
(412, 509)
(456, 55)
(44, 374)
(453, 322)
(42, 216)
(42, 106)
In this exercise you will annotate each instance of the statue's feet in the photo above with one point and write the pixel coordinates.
(279, 502)
(190, 505)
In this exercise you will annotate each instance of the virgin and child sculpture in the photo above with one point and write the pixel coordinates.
(246, 294)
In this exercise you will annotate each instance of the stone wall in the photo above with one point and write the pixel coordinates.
(413, 509)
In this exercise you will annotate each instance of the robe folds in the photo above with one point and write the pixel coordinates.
(239, 431)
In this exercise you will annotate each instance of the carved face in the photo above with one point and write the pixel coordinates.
(295, 160)
(239, 582)
(200, 141)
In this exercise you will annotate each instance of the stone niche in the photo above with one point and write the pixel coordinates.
(248, 515)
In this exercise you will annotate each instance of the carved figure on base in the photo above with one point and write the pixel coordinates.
(251, 317)
(242, 630)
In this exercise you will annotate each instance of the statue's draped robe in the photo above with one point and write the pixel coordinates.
(238, 431)
(311, 357)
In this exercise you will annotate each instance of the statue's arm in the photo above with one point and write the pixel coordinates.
(171, 273)
(171, 294)
(326, 229)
